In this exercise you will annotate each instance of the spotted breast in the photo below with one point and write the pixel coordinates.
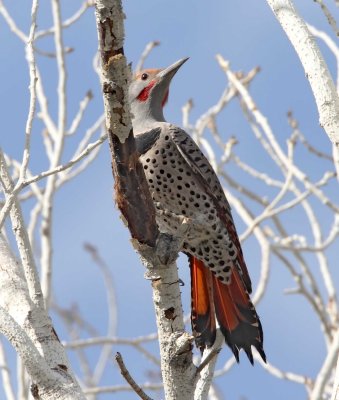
(185, 187)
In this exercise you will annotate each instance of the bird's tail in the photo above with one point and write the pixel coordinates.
(230, 304)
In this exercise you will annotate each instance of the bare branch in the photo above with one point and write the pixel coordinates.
(316, 70)
(29, 330)
(106, 351)
(6, 374)
(289, 376)
(123, 388)
(46, 212)
(326, 369)
(329, 16)
(66, 166)
(34, 362)
(335, 391)
(70, 21)
(158, 250)
(32, 88)
(149, 47)
(78, 117)
(22, 239)
(262, 121)
(205, 370)
(298, 135)
(129, 379)
(11, 23)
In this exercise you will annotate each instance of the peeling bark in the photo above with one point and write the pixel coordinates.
(131, 188)
(158, 251)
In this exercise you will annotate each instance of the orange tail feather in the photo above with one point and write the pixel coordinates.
(237, 317)
(232, 306)
(203, 313)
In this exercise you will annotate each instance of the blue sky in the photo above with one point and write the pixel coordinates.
(247, 34)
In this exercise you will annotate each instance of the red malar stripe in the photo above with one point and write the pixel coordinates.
(143, 95)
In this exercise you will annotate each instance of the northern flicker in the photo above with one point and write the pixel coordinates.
(183, 183)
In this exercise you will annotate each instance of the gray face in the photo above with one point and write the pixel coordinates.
(161, 79)
(140, 82)
(148, 94)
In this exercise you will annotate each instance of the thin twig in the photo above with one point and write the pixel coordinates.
(129, 379)
(68, 22)
(22, 239)
(6, 374)
(32, 89)
(11, 23)
(122, 388)
(149, 47)
(207, 360)
(331, 20)
(106, 351)
(68, 165)
(79, 116)
(59, 140)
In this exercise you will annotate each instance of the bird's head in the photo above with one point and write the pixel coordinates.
(148, 93)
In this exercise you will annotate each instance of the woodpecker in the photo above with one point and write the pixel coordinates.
(183, 184)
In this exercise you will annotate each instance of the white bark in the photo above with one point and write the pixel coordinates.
(47, 209)
(114, 71)
(203, 384)
(326, 371)
(30, 332)
(178, 370)
(315, 67)
(268, 223)
(6, 374)
(21, 235)
(327, 100)
(335, 392)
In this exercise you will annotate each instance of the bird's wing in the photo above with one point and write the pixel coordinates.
(210, 184)
(144, 141)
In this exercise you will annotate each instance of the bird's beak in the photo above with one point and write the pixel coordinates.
(166, 75)
(163, 78)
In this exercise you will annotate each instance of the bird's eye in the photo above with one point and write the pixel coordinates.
(144, 77)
